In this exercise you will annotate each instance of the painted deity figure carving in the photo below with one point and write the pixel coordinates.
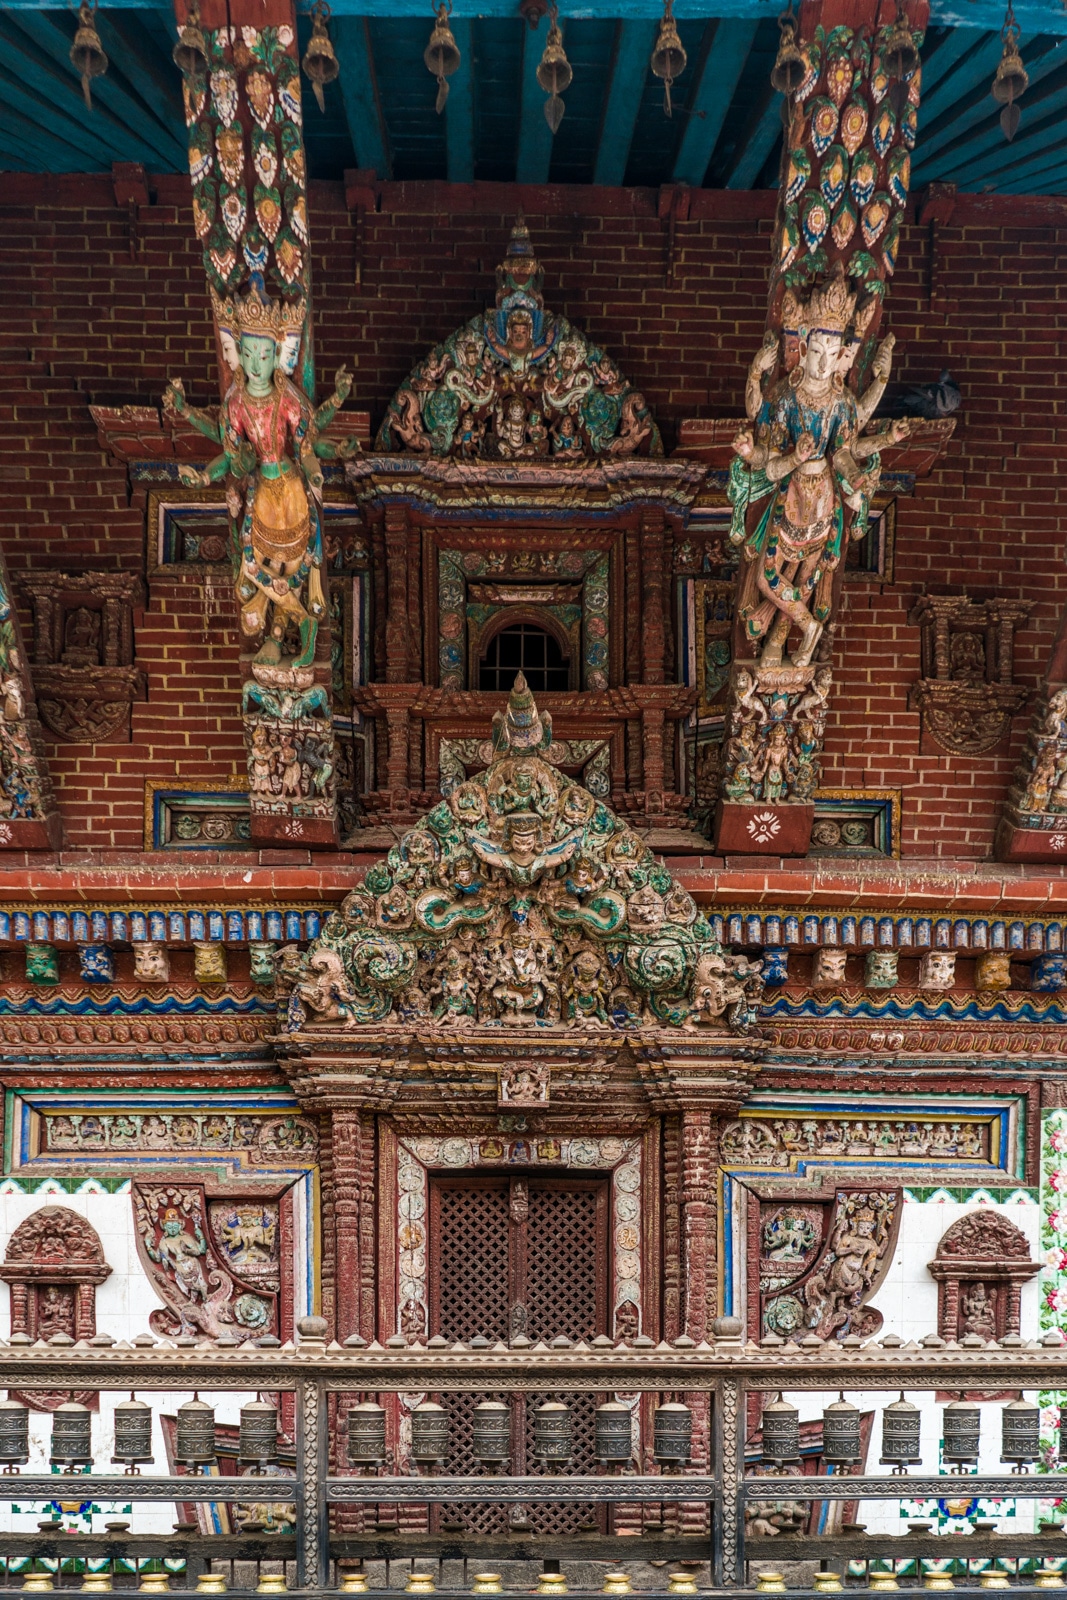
(271, 447)
(806, 455)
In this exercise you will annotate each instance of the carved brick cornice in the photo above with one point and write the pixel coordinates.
(606, 485)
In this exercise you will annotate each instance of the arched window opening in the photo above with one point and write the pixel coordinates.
(529, 650)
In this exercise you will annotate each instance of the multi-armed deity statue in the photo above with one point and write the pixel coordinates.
(519, 901)
(800, 486)
(272, 445)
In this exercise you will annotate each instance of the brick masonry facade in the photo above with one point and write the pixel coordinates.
(85, 322)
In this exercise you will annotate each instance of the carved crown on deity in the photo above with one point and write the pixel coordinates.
(830, 306)
(256, 313)
(520, 901)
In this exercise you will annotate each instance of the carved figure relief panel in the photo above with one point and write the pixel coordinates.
(981, 1264)
(53, 1263)
(820, 1264)
(967, 695)
(215, 1266)
(83, 651)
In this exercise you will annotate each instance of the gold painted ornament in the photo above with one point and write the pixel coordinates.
(554, 71)
(442, 55)
(87, 53)
(668, 56)
(320, 62)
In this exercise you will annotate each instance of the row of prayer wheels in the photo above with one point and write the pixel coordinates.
(72, 1443)
(491, 1433)
(351, 1583)
(1020, 1434)
(1046, 1577)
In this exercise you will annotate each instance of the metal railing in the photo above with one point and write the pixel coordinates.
(692, 1515)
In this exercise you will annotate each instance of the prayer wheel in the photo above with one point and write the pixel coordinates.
(781, 1431)
(133, 1432)
(552, 1431)
(195, 1438)
(259, 1432)
(962, 1423)
(14, 1434)
(491, 1432)
(614, 1442)
(1020, 1432)
(366, 1434)
(900, 1435)
(841, 1433)
(672, 1433)
(72, 1435)
(429, 1434)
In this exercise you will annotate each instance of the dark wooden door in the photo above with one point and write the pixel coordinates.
(520, 1254)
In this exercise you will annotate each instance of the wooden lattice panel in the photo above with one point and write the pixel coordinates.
(565, 1261)
(470, 1251)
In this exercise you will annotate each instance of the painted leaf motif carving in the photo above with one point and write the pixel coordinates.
(260, 95)
(875, 217)
(864, 177)
(909, 125)
(891, 244)
(853, 125)
(268, 210)
(899, 175)
(839, 78)
(833, 176)
(844, 224)
(224, 94)
(788, 242)
(816, 221)
(885, 126)
(812, 53)
(797, 174)
(823, 125)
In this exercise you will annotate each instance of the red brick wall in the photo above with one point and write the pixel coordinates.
(85, 322)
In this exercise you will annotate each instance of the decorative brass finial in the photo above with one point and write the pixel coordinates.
(668, 57)
(554, 71)
(1011, 79)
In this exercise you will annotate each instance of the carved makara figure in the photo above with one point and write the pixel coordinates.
(271, 447)
(805, 469)
(518, 901)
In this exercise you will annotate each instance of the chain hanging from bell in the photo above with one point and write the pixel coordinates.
(1011, 79)
(554, 71)
(442, 55)
(668, 57)
(790, 68)
(87, 53)
(320, 62)
(190, 53)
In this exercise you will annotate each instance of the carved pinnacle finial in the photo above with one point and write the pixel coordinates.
(521, 728)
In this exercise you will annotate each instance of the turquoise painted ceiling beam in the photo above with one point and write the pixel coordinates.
(535, 135)
(978, 134)
(634, 39)
(459, 107)
(752, 154)
(994, 156)
(359, 93)
(942, 58)
(724, 59)
(47, 66)
(1033, 16)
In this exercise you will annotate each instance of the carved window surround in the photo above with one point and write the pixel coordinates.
(981, 1264)
(53, 1264)
(83, 652)
(966, 696)
(416, 1156)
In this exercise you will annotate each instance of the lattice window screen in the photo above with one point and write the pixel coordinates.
(563, 1254)
(473, 1254)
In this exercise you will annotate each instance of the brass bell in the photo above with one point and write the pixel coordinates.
(354, 1583)
(827, 1583)
(486, 1583)
(682, 1582)
(320, 62)
(879, 1582)
(1048, 1577)
(1011, 79)
(419, 1583)
(790, 68)
(899, 55)
(668, 56)
(190, 53)
(272, 1583)
(87, 53)
(617, 1583)
(442, 55)
(211, 1583)
(554, 72)
(995, 1578)
(37, 1583)
(97, 1583)
(937, 1580)
(770, 1583)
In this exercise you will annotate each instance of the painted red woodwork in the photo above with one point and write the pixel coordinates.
(762, 830)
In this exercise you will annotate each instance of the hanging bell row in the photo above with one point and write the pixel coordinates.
(87, 54)
(668, 54)
(190, 53)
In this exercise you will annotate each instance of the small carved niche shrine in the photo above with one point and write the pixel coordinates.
(53, 1264)
(522, 518)
(966, 695)
(981, 1264)
(83, 650)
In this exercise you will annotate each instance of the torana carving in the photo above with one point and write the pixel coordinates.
(830, 1299)
(53, 1263)
(194, 1266)
(519, 382)
(981, 1264)
(966, 695)
(520, 900)
(83, 650)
